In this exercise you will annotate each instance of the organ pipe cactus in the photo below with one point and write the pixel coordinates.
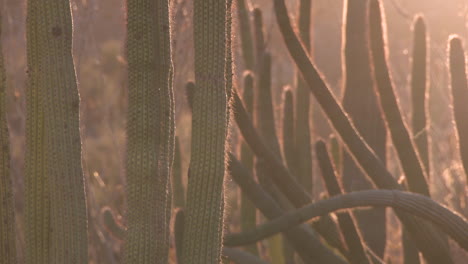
(177, 179)
(150, 131)
(7, 209)
(204, 208)
(54, 186)
(428, 242)
(458, 76)
(366, 116)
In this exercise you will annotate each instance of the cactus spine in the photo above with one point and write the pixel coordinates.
(53, 120)
(204, 211)
(366, 116)
(7, 208)
(457, 61)
(150, 131)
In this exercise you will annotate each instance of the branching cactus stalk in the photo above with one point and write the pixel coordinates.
(150, 131)
(204, 207)
(54, 175)
(7, 208)
(366, 116)
(458, 75)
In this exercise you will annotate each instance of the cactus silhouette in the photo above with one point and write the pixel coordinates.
(204, 207)
(7, 209)
(457, 61)
(177, 179)
(150, 131)
(54, 176)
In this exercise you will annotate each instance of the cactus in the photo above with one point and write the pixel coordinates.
(288, 129)
(248, 211)
(245, 34)
(204, 209)
(7, 208)
(366, 116)
(336, 153)
(177, 181)
(302, 238)
(457, 61)
(109, 221)
(302, 127)
(54, 176)
(432, 246)
(351, 234)
(422, 206)
(179, 233)
(419, 94)
(150, 131)
(259, 38)
(402, 141)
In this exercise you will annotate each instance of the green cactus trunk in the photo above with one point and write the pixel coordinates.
(177, 179)
(7, 206)
(54, 145)
(204, 211)
(150, 131)
(460, 95)
(366, 116)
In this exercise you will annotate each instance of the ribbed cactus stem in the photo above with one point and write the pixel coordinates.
(302, 132)
(248, 210)
(419, 93)
(258, 37)
(402, 141)
(288, 129)
(53, 119)
(458, 76)
(150, 131)
(424, 235)
(245, 34)
(204, 207)
(347, 224)
(366, 116)
(179, 223)
(189, 92)
(177, 179)
(7, 208)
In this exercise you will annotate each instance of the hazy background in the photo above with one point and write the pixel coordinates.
(99, 33)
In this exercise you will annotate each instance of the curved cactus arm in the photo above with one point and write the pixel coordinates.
(7, 208)
(54, 100)
(242, 257)
(427, 240)
(351, 234)
(450, 222)
(402, 141)
(459, 83)
(302, 238)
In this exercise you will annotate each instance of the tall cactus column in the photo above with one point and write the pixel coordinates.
(204, 218)
(7, 209)
(53, 158)
(150, 131)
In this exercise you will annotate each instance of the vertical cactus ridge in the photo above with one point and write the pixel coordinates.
(248, 210)
(419, 91)
(37, 207)
(204, 207)
(245, 34)
(288, 129)
(177, 179)
(302, 128)
(264, 106)
(458, 77)
(258, 38)
(351, 234)
(54, 144)
(366, 116)
(179, 223)
(150, 131)
(189, 92)
(424, 235)
(7, 208)
(402, 141)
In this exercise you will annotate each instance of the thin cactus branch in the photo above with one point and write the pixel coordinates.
(432, 246)
(419, 205)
